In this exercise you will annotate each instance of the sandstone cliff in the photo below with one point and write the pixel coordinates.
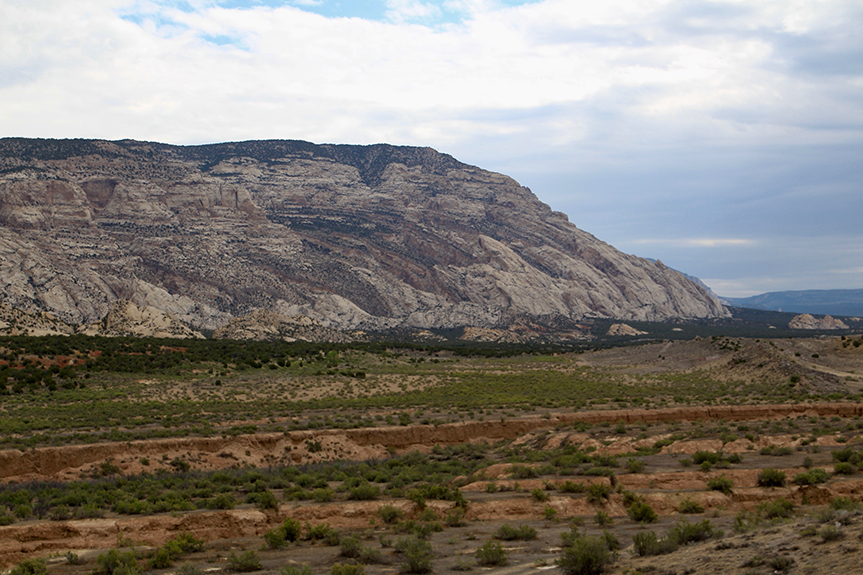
(807, 321)
(353, 237)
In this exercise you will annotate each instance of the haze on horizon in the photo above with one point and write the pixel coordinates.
(724, 138)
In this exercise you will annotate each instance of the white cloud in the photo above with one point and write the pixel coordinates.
(704, 106)
(698, 242)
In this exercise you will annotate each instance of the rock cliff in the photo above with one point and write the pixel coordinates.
(807, 321)
(353, 237)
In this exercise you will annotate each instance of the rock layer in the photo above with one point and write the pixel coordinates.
(353, 237)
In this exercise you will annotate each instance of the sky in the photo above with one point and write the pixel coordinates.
(722, 137)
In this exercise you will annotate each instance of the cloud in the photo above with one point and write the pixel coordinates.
(698, 242)
(717, 123)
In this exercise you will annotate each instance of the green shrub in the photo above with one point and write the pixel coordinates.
(586, 556)
(491, 553)
(843, 468)
(323, 494)
(350, 547)
(364, 492)
(390, 514)
(635, 465)
(319, 531)
(116, 562)
(846, 503)
(814, 476)
(522, 472)
(700, 457)
(509, 533)
(30, 567)
(610, 539)
(539, 495)
(266, 500)
(830, 533)
(685, 532)
(188, 543)
(646, 543)
(571, 487)
(347, 569)
(641, 512)
(603, 519)
(245, 562)
(780, 508)
(771, 478)
(418, 555)
(295, 570)
(598, 493)
(689, 506)
(721, 483)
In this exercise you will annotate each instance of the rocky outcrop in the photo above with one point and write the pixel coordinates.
(125, 319)
(353, 237)
(806, 321)
(623, 329)
(265, 325)
(21, 322)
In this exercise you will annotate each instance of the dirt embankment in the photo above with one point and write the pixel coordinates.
(313, 446)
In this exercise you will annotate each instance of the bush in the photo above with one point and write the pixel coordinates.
(635, 465)
(539, 495)
(598, 493)
(685, 532)
(843, 468)
(364, 492)
(571, 487)
(646, 543)
(771, 478)
(830, 533)
(586, 556)
(30, 567)
(641, 512)
(350, 547)
(116, 562)
(245, 562)
(390, 514)
(295, 570)
(320, 531)
(603, 519)
(418, 555)
(781, 508)
(266, 500)
(509, 533)
(689, 506)
(720, 483)
(491, 553)
(812, 477)
(846, 503)
(348, 569)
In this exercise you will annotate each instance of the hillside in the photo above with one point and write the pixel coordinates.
(352, 237)
(842, 302)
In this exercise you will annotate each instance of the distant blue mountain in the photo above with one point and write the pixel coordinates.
(834, 302)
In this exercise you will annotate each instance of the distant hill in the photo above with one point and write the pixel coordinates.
(843, 302)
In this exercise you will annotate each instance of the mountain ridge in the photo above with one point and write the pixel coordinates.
(841, 302)
(354, 237)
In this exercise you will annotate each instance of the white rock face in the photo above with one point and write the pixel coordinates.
(353, 237)
(806, 321)
(127, 319)
(623, 329)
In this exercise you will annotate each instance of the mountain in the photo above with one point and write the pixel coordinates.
(843, 302)
(352, 237)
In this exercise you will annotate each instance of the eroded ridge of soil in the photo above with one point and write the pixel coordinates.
(663, 441)
(314, 446)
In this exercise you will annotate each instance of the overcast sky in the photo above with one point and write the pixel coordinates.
(724, 138)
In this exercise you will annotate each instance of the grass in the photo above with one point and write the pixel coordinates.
(149, 388)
